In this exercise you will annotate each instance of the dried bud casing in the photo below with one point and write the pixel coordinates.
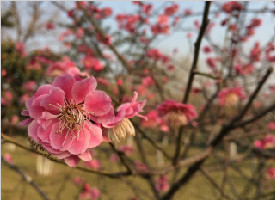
(122, 130)
(175, 119)
(231, 99)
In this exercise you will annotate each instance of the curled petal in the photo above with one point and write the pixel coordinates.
(65, 83)
(26, 121)
(54, 100)
(72, 161)
(97, 103)
(81, 88)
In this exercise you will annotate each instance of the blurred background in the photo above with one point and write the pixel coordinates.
(148, 48)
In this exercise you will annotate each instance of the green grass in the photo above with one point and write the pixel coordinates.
(13, 188)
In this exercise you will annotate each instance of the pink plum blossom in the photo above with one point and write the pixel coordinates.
(103, 81)
(14, 119)
(66, 66)
(271, 126)
(20, 48)
(141, 167)
(175, 113)
(114, 158)
(64, 116)
(230, 6)
(266, 142)
(50, 26)
(7, 157)
(78, 180)
(127, 149)
(89, 193)
(29, 86)
(154, 121)
(162, 183)
(90, 62)
(230, 96)
(120, 126)
(270, 173)
(94, 164)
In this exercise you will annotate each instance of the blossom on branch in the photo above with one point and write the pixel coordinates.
(64, 117)
(176, 114)
(231, 96)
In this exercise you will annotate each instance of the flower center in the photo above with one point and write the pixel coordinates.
(175, 119)
(71, 117)
(231, 99)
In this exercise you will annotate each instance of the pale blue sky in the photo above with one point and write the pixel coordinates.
(174, 40)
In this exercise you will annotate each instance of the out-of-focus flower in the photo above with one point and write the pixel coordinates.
(171, 10)
(162, 183)
(231, 6)
(29, 86)
(7, 157)
(244, 69)
(270, 173)
(78, 180)
(154, 121)
(20, 48)
(140, 166)
(106, 40)
(267, 142)
(271, 126)
(207, 49)
(114, 158)
(94, 164)
(187, 12)
(89, 193)
(14, 119)
(103, 81)
(176, 114)
(64, 67)
(50, 26)
(231, 96)
(127, 149)
(90, 62)
(3, 72)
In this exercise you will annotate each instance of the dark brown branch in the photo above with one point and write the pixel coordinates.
(153, 143)
(191, 76)
(222, 133)
(121, 156)
(26, 178)
(203, 27)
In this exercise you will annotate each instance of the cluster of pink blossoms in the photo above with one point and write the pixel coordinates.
(231, 96)
(266, 142)
(70, 117)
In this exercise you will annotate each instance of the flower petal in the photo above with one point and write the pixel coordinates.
(60, 141)
(86, 156)
(65, 83)
(53, 101)
(97, 103)
(72, 161)
(26, 121)
(95, 133)
(80, 143)
(32, 131)
(81, 88)
(45, 89)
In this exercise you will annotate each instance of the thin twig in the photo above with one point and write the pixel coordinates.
(26, 178)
